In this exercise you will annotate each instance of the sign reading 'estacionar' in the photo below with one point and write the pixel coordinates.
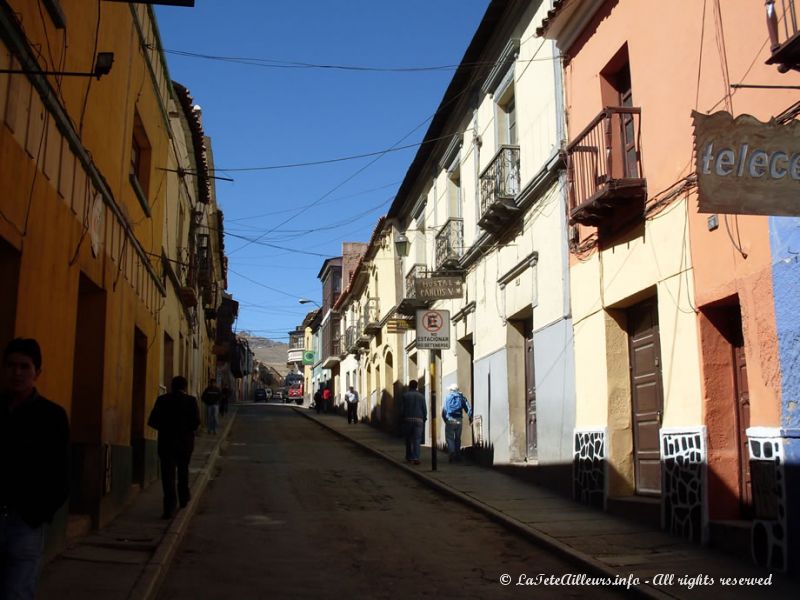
(433, 329)
(745, 166)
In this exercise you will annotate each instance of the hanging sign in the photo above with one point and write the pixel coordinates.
(308, 357)
(438, 288)
(433, 329)
(747, 167)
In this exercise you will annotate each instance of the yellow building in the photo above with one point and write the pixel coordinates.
(83, 236)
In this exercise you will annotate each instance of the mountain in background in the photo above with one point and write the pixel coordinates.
(268, 351)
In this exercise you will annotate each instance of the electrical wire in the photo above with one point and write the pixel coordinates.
(271, 63)
(338, 199)
(331, 160)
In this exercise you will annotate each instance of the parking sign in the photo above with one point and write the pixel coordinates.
(433, 329)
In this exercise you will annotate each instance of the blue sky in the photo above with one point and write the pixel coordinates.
(267, 116)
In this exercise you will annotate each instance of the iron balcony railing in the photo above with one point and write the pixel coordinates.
(783, 17)
(418, 271)
(604, 161)
(450, 243)
(500, 181)
(351, 338)
(372, 315)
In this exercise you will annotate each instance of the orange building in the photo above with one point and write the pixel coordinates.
(688, 423)
(83, 259)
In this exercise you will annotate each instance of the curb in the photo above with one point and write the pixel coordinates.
(539, 538)
(149, 581)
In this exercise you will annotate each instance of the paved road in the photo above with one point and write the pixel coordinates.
(296, 512)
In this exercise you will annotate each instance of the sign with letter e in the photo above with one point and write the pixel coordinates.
(433, 329)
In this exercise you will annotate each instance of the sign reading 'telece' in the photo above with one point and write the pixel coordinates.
(745, 166)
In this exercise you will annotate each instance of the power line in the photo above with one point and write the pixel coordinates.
(330, 160)
(276, 290)
(338, 199)
(271, 63)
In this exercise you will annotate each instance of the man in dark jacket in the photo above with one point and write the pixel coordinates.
(413, 413)
(176, 418)
(34, 468)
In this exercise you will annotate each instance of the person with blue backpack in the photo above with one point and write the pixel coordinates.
(452, 413)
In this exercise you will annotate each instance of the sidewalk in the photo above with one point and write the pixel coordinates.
(126, 558)
(598, 544)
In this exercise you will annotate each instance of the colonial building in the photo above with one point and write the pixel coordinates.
(106, 197)
(682, 314)
(483, 210)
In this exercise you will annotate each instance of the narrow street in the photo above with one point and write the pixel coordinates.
(295, 512)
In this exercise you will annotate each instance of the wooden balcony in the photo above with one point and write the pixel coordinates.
(450, 244)
(782, 21)
(605, 170)
(334, 352)
(500, 184)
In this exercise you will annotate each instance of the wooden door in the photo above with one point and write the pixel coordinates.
(646, 396)
(631, 168)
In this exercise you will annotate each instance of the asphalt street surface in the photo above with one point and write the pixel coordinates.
(294, 511)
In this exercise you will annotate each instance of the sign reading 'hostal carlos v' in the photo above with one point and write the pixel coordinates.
(745, 166)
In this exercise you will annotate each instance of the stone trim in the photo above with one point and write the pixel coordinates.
(684, 456)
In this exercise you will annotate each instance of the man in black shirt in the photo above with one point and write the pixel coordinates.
(176, 418)
(34, 467)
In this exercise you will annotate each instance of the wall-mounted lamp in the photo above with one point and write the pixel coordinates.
(102, 66)
(401, 244)
(307, 301)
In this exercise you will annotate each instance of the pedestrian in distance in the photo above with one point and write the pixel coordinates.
(224, 400)
(351, 397)
(34, 467)
(452, 412)
(176, 418)
(327, 396)
(413, 413)
(318, 400)
(212, 396)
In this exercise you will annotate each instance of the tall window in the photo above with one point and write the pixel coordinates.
(140, 163)
(507, 118)
(454, 190)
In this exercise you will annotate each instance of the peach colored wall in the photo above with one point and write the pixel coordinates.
(666, 63)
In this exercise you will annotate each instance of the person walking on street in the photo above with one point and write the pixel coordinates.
(34, 463)
(352, 405)
(326, 399)
(211, 398)
(452, 413)
(176, 418)
(413, 413)
(318, 400)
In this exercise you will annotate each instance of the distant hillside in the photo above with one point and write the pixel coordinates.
(268, 351)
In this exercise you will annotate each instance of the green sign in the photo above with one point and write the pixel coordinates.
(308, 357)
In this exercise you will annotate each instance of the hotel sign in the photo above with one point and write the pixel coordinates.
(745, 166)
(438, 288)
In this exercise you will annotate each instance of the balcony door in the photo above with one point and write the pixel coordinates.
(628, 133)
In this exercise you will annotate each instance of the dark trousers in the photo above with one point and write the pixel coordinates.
(169, 466)
(352, 412)
(318, 405)
(21, 549)
(413, 430)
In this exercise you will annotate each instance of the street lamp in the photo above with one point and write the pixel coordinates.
(401, 244)
(307, 301)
